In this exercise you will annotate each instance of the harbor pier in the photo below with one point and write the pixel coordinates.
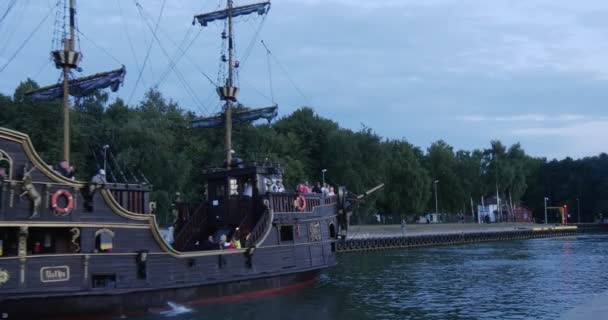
(384, 237)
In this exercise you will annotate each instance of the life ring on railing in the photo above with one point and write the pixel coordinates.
(69, 206)
(300, 203)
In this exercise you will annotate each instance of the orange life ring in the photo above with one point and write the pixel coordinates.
(68, 208)
(300, 203)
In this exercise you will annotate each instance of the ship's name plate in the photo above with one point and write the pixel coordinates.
(55, 274)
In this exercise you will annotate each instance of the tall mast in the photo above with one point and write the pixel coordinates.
(67, 59)
(229, 84)
(227, 91)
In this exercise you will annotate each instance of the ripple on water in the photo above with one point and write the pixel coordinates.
(527, 279)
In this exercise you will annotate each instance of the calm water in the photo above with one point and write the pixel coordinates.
(529, 279)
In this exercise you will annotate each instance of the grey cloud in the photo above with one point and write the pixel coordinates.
(465, 71)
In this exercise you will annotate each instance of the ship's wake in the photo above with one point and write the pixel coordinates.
(176, 309)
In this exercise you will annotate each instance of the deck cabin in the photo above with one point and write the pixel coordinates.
(234, 203)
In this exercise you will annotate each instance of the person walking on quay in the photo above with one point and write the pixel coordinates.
(403, 226)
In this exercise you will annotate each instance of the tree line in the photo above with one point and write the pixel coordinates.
(154, 139)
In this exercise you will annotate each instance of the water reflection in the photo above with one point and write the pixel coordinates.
(539, 279)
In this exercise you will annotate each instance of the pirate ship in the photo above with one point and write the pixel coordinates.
(73, 248)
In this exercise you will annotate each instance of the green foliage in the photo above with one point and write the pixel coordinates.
(154, 137)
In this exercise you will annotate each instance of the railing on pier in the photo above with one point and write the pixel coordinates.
(284, 202)
(189, 225)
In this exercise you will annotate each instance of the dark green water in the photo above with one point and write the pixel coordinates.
(528, 279)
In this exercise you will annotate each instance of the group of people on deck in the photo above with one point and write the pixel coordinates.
(225, 243)
(64, 169)
(325, 189)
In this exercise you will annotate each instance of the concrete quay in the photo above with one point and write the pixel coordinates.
(382, 237)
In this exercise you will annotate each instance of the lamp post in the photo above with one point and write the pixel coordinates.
(105, 152)
(323, 172)
(578, 210)
(436, 202)
(546, 209)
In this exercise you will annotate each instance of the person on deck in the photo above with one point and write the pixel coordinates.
(247, 189)
(209, 244)
(325, 190)
(332, 192)
(64, 169)
(317, 188)
(223, 244)
(231, 245)
(301, 188)
(100, 177)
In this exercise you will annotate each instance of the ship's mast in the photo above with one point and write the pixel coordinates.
(228, 91)
(229, 84)
(68, 59)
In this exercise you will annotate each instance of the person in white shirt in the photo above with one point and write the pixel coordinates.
(325, 190)
(331, 192)
(248, 189)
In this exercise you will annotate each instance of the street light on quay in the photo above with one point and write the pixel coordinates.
(546, 209)
(323, 172)
(436, 202)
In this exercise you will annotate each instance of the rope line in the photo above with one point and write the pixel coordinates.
(99, 47)
(176, 57)
(10, 6)
(253, 42)
(268, 53)
(12, 32)
(162, 9)
(185, 84)
(24, 43)
(290, 78)
(126, 30)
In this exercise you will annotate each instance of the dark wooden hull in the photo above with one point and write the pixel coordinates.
(105, 306)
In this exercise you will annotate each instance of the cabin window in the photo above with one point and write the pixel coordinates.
(234, 187)
(314, 232)
(104, 240)
(53, 240)
(104, 281)
(332, 235)
(9, 241)
(332, 231)
(6, 166)
(286, 233)
(142, 263)
(220, 190)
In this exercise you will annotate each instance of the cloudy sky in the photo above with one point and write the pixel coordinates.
(465, 71)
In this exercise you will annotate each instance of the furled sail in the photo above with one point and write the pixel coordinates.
(259, 8)
(268, 113)
(82, 86)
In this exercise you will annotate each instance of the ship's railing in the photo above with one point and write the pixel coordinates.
(133, 197)
(248, 164)
(246, 225)
(260, 230)
(192, 226)
(284, 202)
